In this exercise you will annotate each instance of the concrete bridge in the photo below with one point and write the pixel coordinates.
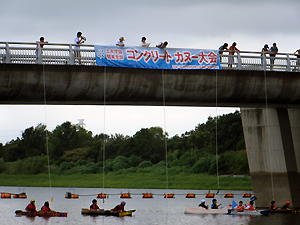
(269, 102)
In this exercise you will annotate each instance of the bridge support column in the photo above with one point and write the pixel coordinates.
(272, 139)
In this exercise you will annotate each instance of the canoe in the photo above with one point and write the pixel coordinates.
(41, 214)
(201, 210)
(106, 213)
(252, 213)
(285, 211)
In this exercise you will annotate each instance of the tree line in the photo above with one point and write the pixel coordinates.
(73, 149)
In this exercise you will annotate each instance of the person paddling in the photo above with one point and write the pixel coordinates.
(239, 207)
(120, 207)
(202, 204)
(250, 206)
(214, 205)
(273, 206)
(46, 207)
(286, 206)
(94, 206)
(31, 206)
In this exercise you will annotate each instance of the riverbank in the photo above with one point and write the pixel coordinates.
(130, 180)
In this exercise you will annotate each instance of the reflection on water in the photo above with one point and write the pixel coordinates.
(157, 210)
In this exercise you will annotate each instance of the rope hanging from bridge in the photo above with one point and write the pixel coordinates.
(104, 103)
(269, 148)
(47, 146)
(165, 125)
(217, 161)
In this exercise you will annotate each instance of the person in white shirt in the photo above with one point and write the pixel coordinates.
(120, 42)
(143, 42)
(78, 41)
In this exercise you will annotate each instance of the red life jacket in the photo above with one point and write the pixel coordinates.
(240, 208)
(250, 207)
(30, 208)
(94, 207)
(119, 208)
(45, 208)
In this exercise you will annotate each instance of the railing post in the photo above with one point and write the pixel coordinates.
(7, 56)
(264, 62)
(239, 61)
(72, 60)
(39, 54)
(288, 63)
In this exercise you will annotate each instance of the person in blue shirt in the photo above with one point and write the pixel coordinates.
(214, 205)
(273, 52)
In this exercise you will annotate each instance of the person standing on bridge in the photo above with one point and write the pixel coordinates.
(273, 52)
(143, 42)
(222, 48)
(120, 42)
(264, 50)
(78, 41)
(297, 54)
(232, 49)
(42, 40)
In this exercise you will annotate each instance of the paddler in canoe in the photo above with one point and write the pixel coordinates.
(286, 206)
(31, 206)
(214, 204)
(239, 207)
(273, 206)
(250, 206)
(46, 208)
(120, 207)
(94, 206)
(202, 204)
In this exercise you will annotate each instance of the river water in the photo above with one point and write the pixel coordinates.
(157, 210)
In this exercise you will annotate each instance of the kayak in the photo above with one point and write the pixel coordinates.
(252, 213)
(201, 210)
(106, 213)
(41, 214)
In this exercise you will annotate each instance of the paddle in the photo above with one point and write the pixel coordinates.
(234, 204)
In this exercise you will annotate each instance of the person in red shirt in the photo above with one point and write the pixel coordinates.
(273, 206)
(286, 206)
(120, 208)
(240, 207)
(231, 50)
(31, 206)
(250, 207)
(46, 207)
(94, 206)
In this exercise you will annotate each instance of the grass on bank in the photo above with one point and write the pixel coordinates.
(129, 180)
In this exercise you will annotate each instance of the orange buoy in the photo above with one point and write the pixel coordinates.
(190, 195)
(22, 195)
(169, 195)
(228, 195)
(5, 195)
(125, 195)
(209, 195)
(147, 195)
(247, 195)
(70, 195)
(101, 195)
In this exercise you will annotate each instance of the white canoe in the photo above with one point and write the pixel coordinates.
(201, 210)
(252, 213)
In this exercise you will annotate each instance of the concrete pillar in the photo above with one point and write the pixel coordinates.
(272, 144)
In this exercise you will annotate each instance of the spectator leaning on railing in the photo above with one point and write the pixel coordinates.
(231, 50)
(273, 52)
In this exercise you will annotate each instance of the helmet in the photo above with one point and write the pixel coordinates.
(123, 203)
(287, 202)
(32, 200)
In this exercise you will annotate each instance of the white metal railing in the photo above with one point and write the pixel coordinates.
(65, 54)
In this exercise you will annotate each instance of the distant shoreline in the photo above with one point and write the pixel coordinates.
(129, 180)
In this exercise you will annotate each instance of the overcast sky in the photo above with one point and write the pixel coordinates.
(184, 24)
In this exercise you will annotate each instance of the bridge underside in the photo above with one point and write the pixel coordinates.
(271, 135)
(272, 139)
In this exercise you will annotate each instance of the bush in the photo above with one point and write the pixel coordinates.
(81, 162)
(66, 166)
(2, 165)
(202, 165)
(145, 164)
(90, 168)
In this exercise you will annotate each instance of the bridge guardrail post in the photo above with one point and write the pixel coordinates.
(72, 59)
(39, 54)
(288, 63)
(264, 62)
(239, 61)
(7, 56)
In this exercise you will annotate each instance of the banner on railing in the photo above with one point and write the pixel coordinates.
(156, 58)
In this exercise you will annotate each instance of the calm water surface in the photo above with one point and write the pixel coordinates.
(148, 211)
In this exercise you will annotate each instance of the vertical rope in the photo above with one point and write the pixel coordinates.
(47, 145)
(217, 161)
(165, 127)
(269, 148)
(104, 102)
